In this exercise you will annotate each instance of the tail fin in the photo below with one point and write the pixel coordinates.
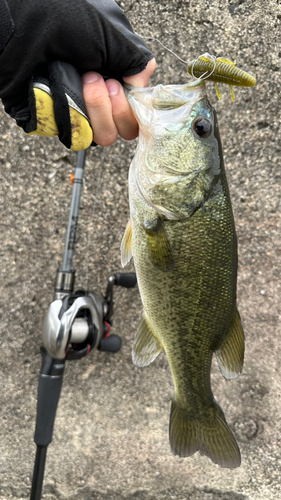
(210, 436)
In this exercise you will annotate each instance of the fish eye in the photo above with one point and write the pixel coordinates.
(202, 126)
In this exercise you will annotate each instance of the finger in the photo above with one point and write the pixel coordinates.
(141, 79)
(99, 110)
(123, 117)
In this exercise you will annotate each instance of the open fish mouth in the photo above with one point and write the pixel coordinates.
(167, 96)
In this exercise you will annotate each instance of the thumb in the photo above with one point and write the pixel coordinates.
(141, 79)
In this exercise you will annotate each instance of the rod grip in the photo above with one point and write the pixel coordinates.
(49, 388)
(48, 397)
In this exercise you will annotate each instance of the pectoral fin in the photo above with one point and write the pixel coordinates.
(126, 245)
(146, 347)
(159, 249)
(230, 355)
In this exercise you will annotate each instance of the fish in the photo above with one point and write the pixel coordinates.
(222, 70)
(181, 235)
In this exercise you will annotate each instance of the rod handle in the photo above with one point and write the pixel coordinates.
(49, 388)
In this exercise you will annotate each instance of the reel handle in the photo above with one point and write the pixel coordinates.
(127, 280)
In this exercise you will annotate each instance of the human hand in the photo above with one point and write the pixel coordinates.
(56, 43)
(107, 106)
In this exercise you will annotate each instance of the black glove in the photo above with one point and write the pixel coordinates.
(37, 38)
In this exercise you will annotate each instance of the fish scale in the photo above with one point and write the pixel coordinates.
(184, 292)
(185, 254)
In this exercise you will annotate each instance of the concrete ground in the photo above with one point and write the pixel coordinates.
(111, 432)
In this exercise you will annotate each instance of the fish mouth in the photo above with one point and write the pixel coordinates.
(156, 109)
(166, 97)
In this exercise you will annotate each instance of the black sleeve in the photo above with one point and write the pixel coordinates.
(6, 24)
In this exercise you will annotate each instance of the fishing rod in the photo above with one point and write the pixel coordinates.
(75, 324)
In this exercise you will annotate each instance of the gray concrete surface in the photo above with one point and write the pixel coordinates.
(111, 433)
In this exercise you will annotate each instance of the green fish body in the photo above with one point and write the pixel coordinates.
(182, 237)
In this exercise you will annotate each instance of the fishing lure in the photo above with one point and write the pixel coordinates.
(222, 70)
(216, 69)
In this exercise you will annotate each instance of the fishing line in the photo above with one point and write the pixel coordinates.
(164, 47)
(202, 77)
(210, 57)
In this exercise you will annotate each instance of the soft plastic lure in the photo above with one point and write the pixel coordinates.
(220, 70)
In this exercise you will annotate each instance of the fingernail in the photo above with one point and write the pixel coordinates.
(90, 77)
(113, 88)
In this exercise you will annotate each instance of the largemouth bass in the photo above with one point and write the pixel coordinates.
(182, 237)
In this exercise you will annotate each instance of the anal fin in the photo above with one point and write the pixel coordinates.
(146, 347)
(230, 355)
